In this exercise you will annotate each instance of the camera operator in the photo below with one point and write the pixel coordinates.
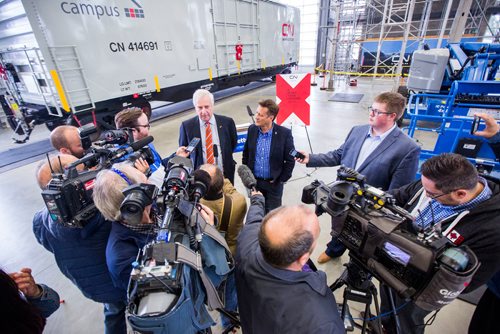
(80, 253)
(127, 239)
(465, 205)
(379, 150)
(66, 140)
(59, 162)
(274, 295)
(489, 304)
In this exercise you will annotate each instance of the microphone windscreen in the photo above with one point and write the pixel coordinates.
(202, 176)
(247, 176)
(141, 143)
(216, 151)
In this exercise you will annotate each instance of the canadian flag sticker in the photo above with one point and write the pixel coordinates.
(455, 237)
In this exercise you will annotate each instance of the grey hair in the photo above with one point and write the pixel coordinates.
(201, 93)
(108, 189)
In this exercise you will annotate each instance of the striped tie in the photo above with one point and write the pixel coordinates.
(209, 144)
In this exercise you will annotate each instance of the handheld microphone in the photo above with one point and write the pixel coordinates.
(247, 177)
(250, 113)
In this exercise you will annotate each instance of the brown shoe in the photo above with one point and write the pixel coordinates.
(323, 258)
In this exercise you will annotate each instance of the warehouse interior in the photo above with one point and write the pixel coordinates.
(343, 47)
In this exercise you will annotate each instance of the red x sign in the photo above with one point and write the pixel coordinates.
(292, 90)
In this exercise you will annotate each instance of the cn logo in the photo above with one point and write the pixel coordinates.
(287, 29)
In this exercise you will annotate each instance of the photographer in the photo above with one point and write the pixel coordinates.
(228, 205)
(274, 295)
(450, 192)
(80, 253)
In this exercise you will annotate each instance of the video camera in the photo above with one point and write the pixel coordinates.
(167, 269)
(425, 268)
(68, 196)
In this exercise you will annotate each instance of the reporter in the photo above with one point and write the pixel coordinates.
(66, 140)
(25, 305)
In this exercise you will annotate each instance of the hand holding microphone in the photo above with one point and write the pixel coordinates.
(248, 180)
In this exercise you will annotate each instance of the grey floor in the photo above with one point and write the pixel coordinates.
(330, 123)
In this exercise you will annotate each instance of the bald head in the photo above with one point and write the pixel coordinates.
(288, 234)
(66, 139)
(58, 163)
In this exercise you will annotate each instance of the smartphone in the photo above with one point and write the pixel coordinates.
(296, 154)
(475, 124)
(192, 144)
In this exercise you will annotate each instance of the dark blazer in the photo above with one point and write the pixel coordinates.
(282, 162)
(391, 165)
(228, 137)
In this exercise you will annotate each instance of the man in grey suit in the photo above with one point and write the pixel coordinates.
(379, 150)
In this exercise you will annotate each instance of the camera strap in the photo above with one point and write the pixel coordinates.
(193, 259)
(227, 206)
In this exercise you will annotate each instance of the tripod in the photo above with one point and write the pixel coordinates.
(359, 288)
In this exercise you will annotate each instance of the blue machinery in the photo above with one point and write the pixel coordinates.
(470, 79)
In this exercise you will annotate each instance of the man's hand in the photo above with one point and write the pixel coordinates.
(141, 165)
(207, 214)
(255, 192)
(182, 152)
(26, 283)
(306, 158)
(492, 127)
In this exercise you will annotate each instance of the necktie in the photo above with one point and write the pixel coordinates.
(209, 144)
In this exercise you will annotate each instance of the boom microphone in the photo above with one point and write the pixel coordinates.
(247, 177)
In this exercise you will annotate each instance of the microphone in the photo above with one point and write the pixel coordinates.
(119, 137)
(201, 183)
(216, 151)
(247, 177)
(250, 113)
(137, 145)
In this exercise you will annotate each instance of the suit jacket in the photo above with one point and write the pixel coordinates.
(391, 165)
(281, 162)
(228, 137)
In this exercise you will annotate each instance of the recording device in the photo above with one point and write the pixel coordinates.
(137, 198)
(475, 124)
(426, 268)
(247, 177)
(68, 196)
(170, 264)
(86, 133)
(297, 155)
(192, 144)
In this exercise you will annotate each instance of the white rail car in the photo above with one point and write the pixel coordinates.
(86, 59)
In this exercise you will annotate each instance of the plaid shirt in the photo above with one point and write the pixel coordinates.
(262, 169)
(434, 212)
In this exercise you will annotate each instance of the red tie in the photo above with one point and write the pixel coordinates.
(209, 144)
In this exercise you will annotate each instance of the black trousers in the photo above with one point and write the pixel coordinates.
(273, 192)
(487, 311)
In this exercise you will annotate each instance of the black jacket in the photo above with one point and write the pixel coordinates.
(273, 300)
(228, 138)
(281, 162)
(480, 229)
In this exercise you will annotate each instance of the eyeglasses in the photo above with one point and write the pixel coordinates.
(436, 196)
(378, 112)
(147, 126)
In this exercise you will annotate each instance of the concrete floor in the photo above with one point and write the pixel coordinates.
(330, 123)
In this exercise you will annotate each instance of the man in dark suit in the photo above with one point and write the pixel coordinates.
(379, 150)
(267, 153)
(217, 133)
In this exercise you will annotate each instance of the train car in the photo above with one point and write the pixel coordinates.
(86, 60)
